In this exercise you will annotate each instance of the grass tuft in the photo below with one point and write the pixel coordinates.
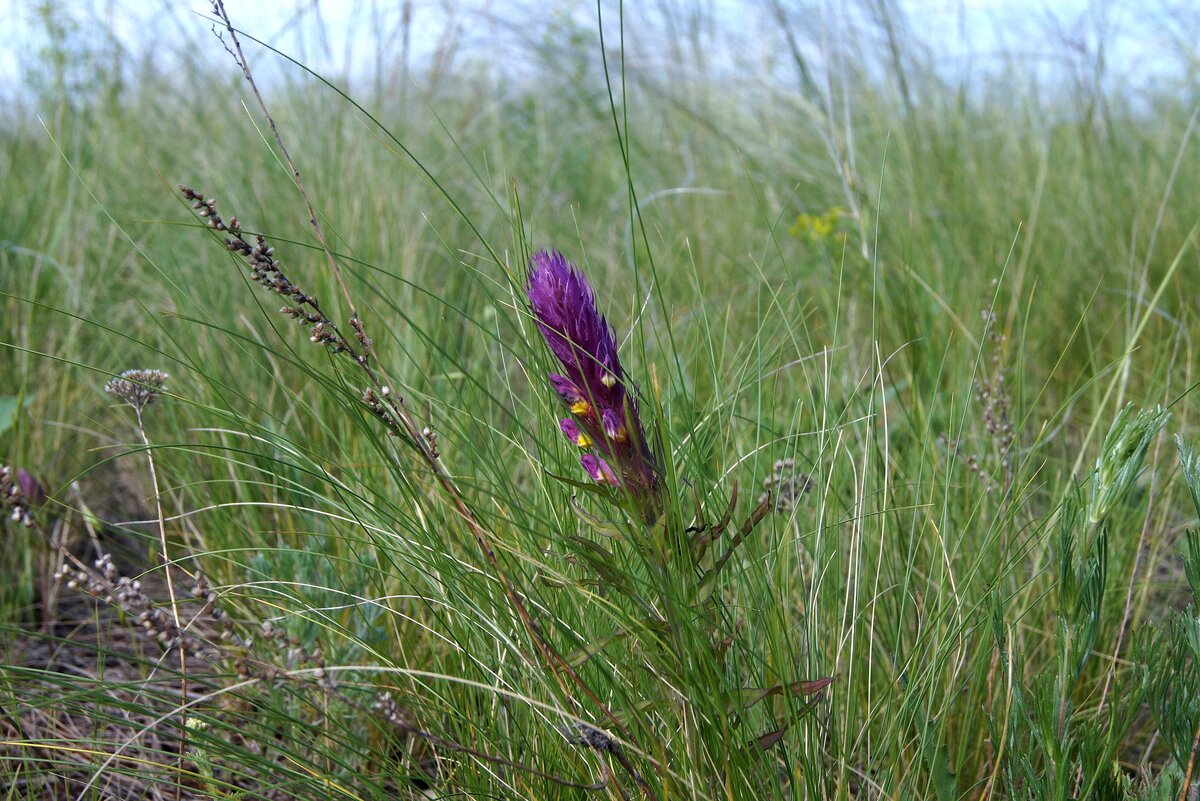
(856, 529)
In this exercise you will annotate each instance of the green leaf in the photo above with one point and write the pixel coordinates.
(752, 695)
(9, 406)
(601, 561)
(637, 712)
(934, 753)
(811, 686)
(585, 486)
(937, 759)
(768, 740)
(756, 516)
(578, 657)
(597, 525)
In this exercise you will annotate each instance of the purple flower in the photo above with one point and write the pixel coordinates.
(30, 488)
(604, 419)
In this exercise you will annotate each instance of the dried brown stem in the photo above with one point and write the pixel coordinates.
(751, 522)
(1186, 793)
(166, 560)
(240, 58)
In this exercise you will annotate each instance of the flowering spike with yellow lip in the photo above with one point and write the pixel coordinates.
(591, 383)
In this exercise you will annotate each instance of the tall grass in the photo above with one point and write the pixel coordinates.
(948, 322)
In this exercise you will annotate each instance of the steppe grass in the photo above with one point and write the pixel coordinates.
(939, 333)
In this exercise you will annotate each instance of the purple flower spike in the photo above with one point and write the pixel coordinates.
(603, 413)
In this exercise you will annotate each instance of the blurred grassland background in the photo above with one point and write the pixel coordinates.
(932, 284)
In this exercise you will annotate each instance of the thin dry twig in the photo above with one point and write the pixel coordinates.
(236, 51)
(1186, 793)
(139, 389)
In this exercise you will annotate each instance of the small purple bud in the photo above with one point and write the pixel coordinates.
(573, 432)
(30, 488)
(598, 469)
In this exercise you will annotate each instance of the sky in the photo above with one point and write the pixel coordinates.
(347, 37)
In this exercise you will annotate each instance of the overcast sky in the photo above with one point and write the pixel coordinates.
(344, 37)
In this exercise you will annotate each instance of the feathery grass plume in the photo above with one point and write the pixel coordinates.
(138, 388)
(1122, 457)
(1190, 461)
(604, 418)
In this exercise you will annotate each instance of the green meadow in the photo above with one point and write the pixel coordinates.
(913, 349)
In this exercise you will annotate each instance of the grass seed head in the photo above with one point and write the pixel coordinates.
(138, 388)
